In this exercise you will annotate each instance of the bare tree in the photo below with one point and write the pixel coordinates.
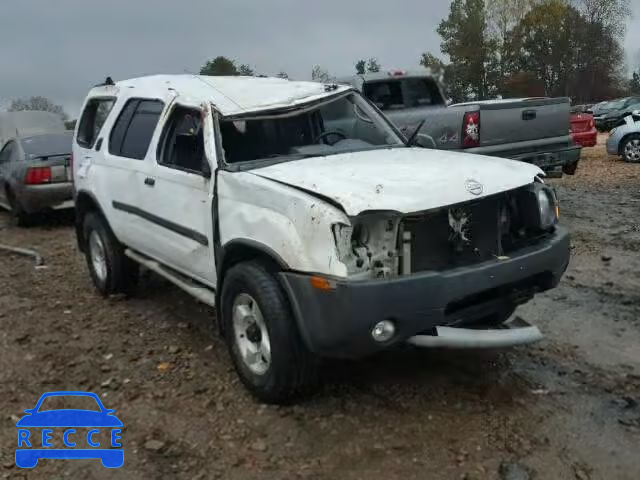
(319, 74)
(41, 104)
(611, 14)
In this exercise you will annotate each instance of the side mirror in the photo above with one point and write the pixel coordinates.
(425, 141)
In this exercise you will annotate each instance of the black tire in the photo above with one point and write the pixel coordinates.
(292, 370)
(19, 216)
(623, 150)
(121, 272)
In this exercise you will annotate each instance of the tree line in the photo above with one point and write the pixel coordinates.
(534, 48)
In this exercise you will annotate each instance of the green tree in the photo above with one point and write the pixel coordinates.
(471, 49)
(361, 67)
(41, 104)
(634, 84)
(372, 65)
(246, 70)
(219, 66)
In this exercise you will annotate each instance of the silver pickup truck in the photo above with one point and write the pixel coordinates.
(533, 130)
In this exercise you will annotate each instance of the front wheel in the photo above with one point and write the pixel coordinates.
(631, 149)
(262, 336)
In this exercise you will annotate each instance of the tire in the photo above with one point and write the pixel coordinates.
(570, 169)
(630, 150)
(19, 216)
(111, 270)
(289, 369)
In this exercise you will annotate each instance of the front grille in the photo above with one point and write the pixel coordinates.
(467, 233)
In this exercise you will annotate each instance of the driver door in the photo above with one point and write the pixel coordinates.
(178, 193)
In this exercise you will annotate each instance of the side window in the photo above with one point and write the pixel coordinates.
(132, 132)
(92, 120)
(183, 141)
(7, 153)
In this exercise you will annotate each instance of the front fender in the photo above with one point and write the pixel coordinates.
(293, 224)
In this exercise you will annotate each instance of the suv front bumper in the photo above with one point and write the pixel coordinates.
(338, 322)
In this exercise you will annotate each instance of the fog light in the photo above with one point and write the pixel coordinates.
(383, 331)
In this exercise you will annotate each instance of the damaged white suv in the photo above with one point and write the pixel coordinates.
(308, 220)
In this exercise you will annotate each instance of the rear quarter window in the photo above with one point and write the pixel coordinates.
(92, 119)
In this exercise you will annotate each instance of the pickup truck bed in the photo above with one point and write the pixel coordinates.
(533, 130)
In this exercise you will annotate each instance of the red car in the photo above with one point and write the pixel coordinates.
(583, 129)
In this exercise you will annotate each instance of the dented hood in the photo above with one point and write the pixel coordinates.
(405, 180)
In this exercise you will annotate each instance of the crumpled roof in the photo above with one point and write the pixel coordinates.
(232, 95)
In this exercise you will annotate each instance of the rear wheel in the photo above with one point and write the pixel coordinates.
(631, 149)
(19, 216)
(262, 336)
(110, 269)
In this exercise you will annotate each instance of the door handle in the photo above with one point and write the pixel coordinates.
(529, 115)
(150, 181)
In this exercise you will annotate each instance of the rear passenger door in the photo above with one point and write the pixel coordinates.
(178, 194)
(127, 164)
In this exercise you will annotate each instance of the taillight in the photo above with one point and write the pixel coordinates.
(38, 176)
(471, 130)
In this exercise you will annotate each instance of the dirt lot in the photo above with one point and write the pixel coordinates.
(565, 408)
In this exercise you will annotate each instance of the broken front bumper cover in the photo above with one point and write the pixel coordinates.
(338, 322)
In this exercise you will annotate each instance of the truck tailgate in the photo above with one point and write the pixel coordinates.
(521, 120)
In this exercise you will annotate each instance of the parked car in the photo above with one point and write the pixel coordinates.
(624, 141)
(532, 130)
(28, 123)
(613, 113)
(583, 129)
(35, 174)
(306, 218)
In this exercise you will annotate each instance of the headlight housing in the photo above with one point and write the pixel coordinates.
(547, 208)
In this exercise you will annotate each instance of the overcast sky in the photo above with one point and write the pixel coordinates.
(60, 48)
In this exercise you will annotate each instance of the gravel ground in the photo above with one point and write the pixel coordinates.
(565, 408)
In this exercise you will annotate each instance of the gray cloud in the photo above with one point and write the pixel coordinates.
(60, 48)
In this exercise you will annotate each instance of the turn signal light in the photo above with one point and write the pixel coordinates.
(38, 175)
(322, 283)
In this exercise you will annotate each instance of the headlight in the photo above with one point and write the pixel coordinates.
(342, 235)
(548, 206)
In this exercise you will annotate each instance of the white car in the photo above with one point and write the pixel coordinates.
(624, 140)
(314, 227)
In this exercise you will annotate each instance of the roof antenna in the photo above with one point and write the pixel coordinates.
(109, 81)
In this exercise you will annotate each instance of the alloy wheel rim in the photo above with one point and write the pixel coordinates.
(251, 334)
(97, 255)
(632, 150)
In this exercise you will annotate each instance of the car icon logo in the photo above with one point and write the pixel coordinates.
(474, 187)
(60, 433)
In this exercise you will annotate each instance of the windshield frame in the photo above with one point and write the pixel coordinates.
(295, 110)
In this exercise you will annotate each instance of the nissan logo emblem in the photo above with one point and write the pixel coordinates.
(473, 187)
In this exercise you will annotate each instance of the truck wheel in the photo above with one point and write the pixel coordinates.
(111, 270)
(631, 149)
(19, 216)
(262, 336)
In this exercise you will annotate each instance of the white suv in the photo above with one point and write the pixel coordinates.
(308, 220)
